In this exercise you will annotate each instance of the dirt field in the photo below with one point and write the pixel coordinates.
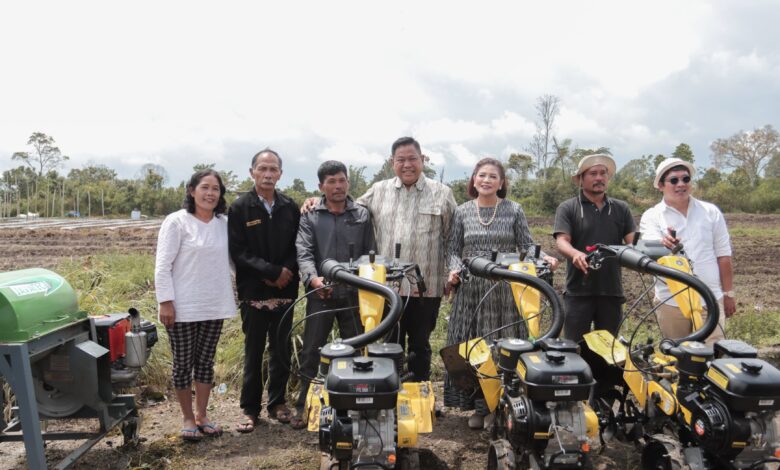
(451, 446)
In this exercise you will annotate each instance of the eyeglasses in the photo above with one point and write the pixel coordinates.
(402, 161)
(674, 180)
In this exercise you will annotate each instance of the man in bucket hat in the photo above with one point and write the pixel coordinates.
(587, 219)
(701, 228)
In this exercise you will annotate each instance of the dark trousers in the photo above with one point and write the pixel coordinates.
(417, 323)
(603, 311)
(257, 325)
(316, 331)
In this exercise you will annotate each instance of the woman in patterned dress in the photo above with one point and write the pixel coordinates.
(487, 222)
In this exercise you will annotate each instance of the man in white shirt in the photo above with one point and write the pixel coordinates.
(701, 228)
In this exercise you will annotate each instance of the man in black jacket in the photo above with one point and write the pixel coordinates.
(326, 232)
(262, 225)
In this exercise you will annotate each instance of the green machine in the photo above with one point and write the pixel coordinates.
(59, 364)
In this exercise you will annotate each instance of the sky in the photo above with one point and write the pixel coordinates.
(180, 83)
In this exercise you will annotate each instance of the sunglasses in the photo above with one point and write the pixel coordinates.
(675, 180)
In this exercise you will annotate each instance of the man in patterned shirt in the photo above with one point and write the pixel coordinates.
(414, 211)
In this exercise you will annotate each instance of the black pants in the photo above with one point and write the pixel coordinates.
(417, 323)
(257, 325)
(603, 311)
(317, 329)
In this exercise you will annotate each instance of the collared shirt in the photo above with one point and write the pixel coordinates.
(587, 224)
(704, 236)
(419, 219)
(269, 207)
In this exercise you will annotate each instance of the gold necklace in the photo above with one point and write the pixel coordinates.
(492, 217)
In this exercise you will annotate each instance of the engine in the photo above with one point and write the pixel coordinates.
(730, 406)
(359, 424)
(543, 414)
(129, 340)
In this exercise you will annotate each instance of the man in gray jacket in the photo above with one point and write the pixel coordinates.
(326, 232)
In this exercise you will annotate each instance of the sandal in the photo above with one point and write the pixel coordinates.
(297, 422)
(210, 429)
(247, 425)
(191, 434)
(280, 413)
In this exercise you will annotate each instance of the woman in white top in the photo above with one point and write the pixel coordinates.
(195, 293)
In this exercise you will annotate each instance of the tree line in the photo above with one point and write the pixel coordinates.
(745, 177)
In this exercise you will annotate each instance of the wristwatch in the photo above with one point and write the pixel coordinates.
(729, 293)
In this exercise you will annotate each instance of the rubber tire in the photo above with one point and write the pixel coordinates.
(408, 459)
(328, 463)
(130, 431)
(501, 456)
(662, 452)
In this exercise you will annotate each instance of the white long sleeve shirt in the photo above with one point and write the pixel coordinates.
(703, 233)
(192, 268)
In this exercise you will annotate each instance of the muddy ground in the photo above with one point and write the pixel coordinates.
(451, 446)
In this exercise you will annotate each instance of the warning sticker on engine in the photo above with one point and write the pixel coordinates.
(562, 393)
(364, 400)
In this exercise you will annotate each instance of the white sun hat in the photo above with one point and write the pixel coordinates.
(590, 161)
(669, 163)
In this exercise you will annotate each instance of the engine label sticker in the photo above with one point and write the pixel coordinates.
(563, 393)
(29, 289)
(364, 400)
(32, 285)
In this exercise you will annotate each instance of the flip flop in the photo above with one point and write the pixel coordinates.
(280, 413)
(247, 425)
(210, 430)
(191, 434)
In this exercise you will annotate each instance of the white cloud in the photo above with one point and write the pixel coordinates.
(511, 123)
(351, 154)
(572, 122)
(462, 155)
(448, 130)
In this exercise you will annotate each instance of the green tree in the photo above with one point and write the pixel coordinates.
(459, 190)
(709, 179)
(521, 164)
(152, 175)
(750, 151)
(357, 181)
(46, 156)
(203, 166)
(92, 174)
(384, 172)
(563, 158)
(683, 152)
(773, 167)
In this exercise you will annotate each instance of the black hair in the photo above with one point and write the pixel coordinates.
(330, 168)
(189, 201)
(267, 150)
(675, 168)
(472, 191)
(402, 141)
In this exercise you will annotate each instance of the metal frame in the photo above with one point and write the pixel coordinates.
(15, 367)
